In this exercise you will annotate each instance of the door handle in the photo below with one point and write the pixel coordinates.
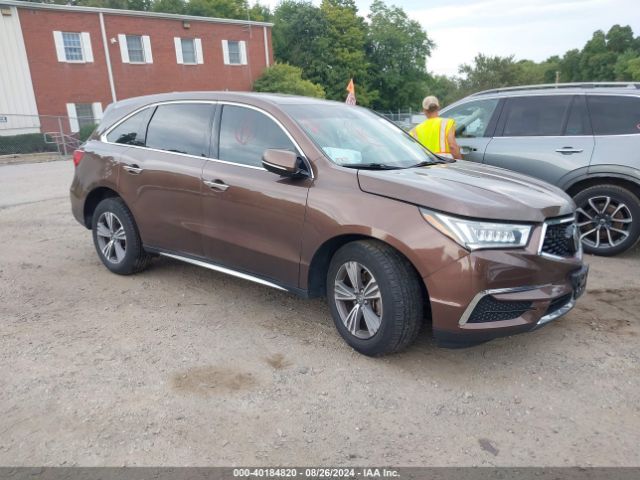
(464, 149)
(132, 169)
(216, 185)
(569, 150)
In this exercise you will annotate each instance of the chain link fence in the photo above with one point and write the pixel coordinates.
(405, 119)
(24, 135)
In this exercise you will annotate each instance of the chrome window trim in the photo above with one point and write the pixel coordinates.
(228, 271)
(556, 221)
(494, 291)
(103, 136)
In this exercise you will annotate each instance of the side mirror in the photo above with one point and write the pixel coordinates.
(283, 162)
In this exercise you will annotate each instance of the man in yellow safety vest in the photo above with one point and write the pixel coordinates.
(435, 133)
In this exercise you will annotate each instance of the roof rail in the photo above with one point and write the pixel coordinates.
(552, 86)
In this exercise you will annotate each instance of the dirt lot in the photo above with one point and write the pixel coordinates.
(183, 366)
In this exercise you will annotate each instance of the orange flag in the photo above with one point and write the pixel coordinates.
(351, 98)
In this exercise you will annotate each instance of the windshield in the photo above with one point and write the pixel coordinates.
(355, 137)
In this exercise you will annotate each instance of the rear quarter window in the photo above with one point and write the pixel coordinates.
(133, 130)
(614, 115)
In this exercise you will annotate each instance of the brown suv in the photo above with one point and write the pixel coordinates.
(320, 198)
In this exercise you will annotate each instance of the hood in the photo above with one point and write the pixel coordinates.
(470, 190)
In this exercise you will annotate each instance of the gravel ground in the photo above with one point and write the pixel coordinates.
(183, 366)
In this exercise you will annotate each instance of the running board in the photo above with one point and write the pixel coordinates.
(228, 271)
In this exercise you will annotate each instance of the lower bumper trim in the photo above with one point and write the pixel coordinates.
(558, 313)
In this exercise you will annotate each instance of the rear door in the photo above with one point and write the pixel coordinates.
(475, 124)
(545, 136)
(160, 178)
(616, 126)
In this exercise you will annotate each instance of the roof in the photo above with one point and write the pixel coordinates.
(266, 101)
(249, 97)
(131, 13)
(564, 88)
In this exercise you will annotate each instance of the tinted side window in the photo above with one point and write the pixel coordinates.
(472, 118)
(181, 128)
(611, 115)
(133, 130)
(578, 121)
(246, 133)
(535, 116)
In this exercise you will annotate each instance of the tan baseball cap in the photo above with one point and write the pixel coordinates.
(430, 103)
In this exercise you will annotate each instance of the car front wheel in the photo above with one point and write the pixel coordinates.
(608, 217)
(375, 297)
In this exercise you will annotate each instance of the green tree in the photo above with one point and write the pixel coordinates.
(596, 61)
(346, 57)
(119, 4)
(619, 39)
(447, 89)
(397, 49)
(489, 72)
(300, 38)
(260, 13)
(217, 8)
(283, 78)
(627, 67)
(169, 6)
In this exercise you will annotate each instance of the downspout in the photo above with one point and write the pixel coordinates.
(266, 46)
(108, 58)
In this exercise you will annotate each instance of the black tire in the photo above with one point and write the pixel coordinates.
(618, 196)
(400, 293)
(135, 259)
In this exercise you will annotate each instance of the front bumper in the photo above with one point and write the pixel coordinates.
(493, 293)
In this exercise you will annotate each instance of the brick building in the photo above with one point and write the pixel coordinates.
(73, 61)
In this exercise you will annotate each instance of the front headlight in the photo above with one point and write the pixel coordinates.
(477, 234)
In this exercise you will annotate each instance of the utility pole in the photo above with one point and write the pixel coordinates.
(557, 76)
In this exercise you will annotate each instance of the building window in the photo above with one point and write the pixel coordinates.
(84, 111)
(235, 52)
(188, 51)
(83, 114)
(135, 48)
(73, 47)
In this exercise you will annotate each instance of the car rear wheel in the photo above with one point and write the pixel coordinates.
(375, 297)
(116, 238)
(608, 217)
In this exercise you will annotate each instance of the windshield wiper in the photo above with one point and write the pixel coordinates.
(426, 163)
(370, 166)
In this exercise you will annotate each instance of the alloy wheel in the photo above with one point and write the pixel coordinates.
(603, 222)
(111, 237)
(358, 300)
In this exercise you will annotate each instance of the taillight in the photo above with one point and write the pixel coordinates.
(77, 157)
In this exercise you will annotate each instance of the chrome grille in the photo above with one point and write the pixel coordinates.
(560, 238)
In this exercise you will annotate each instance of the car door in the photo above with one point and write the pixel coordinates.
(545, 136)
(475, 123)
(253, 218)
(161, 179)
(616, 128)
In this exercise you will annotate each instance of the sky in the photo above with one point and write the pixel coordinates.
(528, 29)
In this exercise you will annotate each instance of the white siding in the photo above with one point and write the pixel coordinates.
(16, 89)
